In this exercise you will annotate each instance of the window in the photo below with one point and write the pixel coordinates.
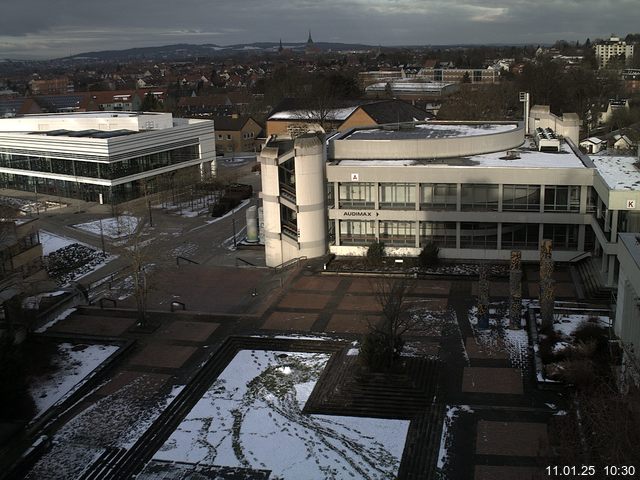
(219, 136)
(397, 195)
(523, 236)
(356, 195)
(560, 198)
(442, 234)
(398, 234)
(479, 235)
(438, 196)
(357, 232)
(564, 237)
(331, 199)
(228, 137)
(480, 197)
(521, 197)
(592, 200)
(289, 222)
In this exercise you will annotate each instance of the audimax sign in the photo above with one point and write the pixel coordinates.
(360, 213)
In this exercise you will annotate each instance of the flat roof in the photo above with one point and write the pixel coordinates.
(100, 114)
(618, 171)
(430, 131)
(91, 133)
(525, 156)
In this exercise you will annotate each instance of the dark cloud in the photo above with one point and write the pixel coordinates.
(42, 28)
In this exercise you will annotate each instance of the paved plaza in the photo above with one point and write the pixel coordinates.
(501, 431)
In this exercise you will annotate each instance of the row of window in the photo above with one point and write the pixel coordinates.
(91, 193)
(523, 236)
(246, 136)
(443, 196)
(106, 171)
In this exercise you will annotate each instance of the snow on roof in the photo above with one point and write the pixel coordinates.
(619, 172)
(431, 130)
(595, 140)
(528, 158)
(333, 114)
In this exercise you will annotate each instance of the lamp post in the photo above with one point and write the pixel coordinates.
(150, 216)
(102, 237)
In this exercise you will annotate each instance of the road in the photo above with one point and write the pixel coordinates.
(202, 239)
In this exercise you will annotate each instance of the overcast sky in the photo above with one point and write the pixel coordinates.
(55, 28)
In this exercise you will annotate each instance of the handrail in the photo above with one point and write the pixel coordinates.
(579, 257)
(294, 261)
(179, 257)
(244, 261)
(101, 302)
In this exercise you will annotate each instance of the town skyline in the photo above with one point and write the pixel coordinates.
(30, 32)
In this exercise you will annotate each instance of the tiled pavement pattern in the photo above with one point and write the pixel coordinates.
(503, 436)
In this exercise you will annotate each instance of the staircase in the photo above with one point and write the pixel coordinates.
(593, 288)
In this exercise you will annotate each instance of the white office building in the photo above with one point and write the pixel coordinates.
(478, 190)
(102, 156)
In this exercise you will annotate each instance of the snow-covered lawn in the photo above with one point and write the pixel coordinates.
(52, 242)
(71, 365)
(117, 420)
(251, 417)
(112, 227)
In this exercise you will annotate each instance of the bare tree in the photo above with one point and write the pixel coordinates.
(383, 343)
(138, 255)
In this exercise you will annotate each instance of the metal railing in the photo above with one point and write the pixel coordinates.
(289, 263)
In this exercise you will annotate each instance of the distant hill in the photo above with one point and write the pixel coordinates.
(185, 50)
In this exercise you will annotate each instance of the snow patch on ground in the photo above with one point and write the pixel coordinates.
(446, 439)
(50, 324)
(112, 227)
(72, 366)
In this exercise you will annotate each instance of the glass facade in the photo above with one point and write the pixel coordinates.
(401, 196)
(561, 198)
(479, 235)
(357, 232)
(480, 196)
(521, 198)
(438, 196)
(88, 192)
(356, 195)
(398, 233)
(442, 234)
(106, 171)
(523, 236)
(564, 237)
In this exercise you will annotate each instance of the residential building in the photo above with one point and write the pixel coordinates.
(108, 157)
(613, 48)
(236, 133)
(614, 105)
(290, 119)
(53, 86)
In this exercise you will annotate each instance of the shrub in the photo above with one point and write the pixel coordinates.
(429, 255)
(377, 352)
(376, 253)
